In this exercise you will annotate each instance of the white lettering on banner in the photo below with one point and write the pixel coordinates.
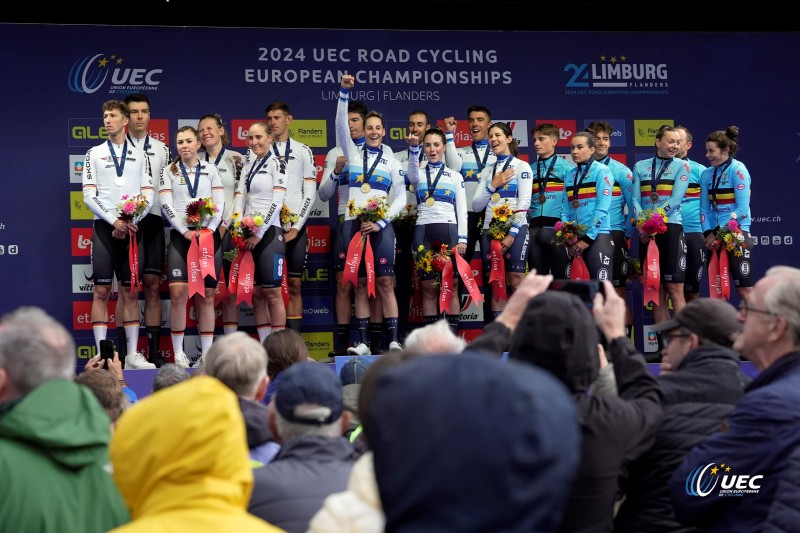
(343, 55)
(330, 77)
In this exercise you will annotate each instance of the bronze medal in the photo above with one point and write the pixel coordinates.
(496, 197)
(576, 204)
(430, 201)
(654, 197)
(366, 188)
(542, 198)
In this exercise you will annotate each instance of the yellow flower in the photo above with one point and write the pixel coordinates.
(258, 220)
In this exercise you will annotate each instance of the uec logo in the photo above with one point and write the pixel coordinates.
(89, 73)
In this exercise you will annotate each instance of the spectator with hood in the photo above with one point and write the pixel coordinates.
(181, 464)
(54, 434)
(470, 443)
(555, 331)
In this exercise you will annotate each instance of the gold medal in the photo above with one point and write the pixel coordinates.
(366, 188)
(429, 201)
(496, 197)
(542, 198)
(654, 197)
(576, 204)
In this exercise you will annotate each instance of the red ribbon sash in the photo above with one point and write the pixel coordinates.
(497, 277)
(207, 253)
(369, 264)
(353, 259)
(133, 262)
(194, 270)
(446, 288)
(725, 274)
(416, 298)
(221, 292)
(652, 275)
(244, 289)
(465, 272)
(285, 285)
(578, 270)
(233, 280)
(714, 282)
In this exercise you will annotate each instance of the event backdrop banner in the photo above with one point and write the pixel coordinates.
(58, 76)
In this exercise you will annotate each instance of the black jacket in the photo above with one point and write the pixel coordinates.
(697, 397)
(557, 332)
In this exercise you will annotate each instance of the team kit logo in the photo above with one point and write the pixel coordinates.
(90, 73)
(705, 480)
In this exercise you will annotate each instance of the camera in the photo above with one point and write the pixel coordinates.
(107, 350)
(584, 289)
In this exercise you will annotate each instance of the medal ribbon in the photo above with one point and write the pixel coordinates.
(121, 165)
(254, 170)
(542, 181)
(288, 150)
(715, 181)
(481, 164)
(576, 187)
(368, 174)
(219, 157)
(655, 179)
(189, 185)
(432, 187)
(146, 146)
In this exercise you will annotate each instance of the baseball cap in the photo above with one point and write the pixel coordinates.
(309, 393)
(353, 371)
(712, 319)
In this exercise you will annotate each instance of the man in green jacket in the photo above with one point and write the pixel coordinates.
(54, 434)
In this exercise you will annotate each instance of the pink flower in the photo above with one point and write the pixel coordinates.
(733, 225)
(559, 225)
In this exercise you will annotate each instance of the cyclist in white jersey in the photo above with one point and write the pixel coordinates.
(335, 182)
(187, 180)
(112, 170)
(418, 124)
(441, 217)
(262, 189)
(301, 192)
(153, 247)
(508, 181)
(229, 165)
(373, 174)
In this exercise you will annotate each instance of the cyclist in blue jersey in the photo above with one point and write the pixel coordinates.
(725, 196)
(690, 215)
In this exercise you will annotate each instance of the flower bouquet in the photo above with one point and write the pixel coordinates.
(131, 207)
(730, 237)
(651, 222)
(198, 211)
(374, 210)
(432, 259)
(500, 223)
(568, 233)
(288, 218)
(242, 229)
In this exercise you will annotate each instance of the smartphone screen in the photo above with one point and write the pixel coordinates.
(107, 349)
